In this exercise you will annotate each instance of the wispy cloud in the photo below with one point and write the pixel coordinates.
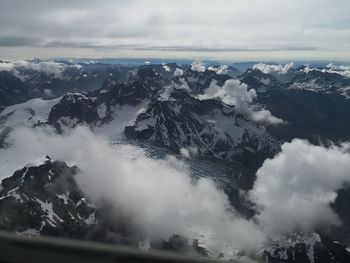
(237, 94)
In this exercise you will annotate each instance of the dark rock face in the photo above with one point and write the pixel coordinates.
(306, 249)
(27, 82)
(324, 79)
(97, 108)
(173, 119)
(210, 126)
(199, 81)
(82, 77)
(73, 108)
(314, 104)
(258, 80)
(309, 115)
(45, 199)
(12, 90)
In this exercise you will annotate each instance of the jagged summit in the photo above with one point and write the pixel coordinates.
(43, 198)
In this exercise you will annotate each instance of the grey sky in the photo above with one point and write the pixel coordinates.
(231, 29)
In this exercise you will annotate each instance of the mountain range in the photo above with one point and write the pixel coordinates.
(170, 110)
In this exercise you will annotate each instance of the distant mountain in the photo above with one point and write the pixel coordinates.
(175, 120)
(73, 78)
(212, 127)
(260, 81)
(12, 89)
(34, 80)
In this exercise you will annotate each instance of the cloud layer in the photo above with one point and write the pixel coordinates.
(158, 197)
(166, 26)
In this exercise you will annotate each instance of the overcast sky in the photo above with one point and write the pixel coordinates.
(222, 29)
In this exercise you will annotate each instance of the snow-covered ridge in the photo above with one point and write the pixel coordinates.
(331, 68)
(27, 114)
(46, 193)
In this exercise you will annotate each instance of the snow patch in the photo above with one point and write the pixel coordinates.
(64, 197)
(102, 110)
(124, 115)
(91, 220)
(51, 216)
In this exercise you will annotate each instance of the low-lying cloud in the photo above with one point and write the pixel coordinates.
(159, 197)
(198, 66)
(296, 187)
(222, 69)
(293, 190)
(46, 67)
(235, 93)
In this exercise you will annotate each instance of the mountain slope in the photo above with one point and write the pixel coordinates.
(12, 89)
(43, 198)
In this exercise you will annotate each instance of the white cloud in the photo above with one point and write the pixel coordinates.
(296, 187)
(197, 66)
(221, 70)
(178, 72)
(47, 67)
(263, 115)
(166, 68)
(235, 93)
(273, 69)
(158, 197)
